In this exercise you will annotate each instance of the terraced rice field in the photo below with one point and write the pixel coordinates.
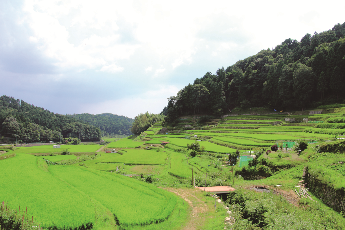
(125, 143)
(71, 196)
(50, 149)
(98, 190)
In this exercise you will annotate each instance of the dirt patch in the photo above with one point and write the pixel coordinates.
(290, 196)
(147, 169)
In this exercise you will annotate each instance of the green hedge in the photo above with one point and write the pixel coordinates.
(333, 147)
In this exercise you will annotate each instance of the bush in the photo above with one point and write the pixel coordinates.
(333, 147)
(148, 179)
(66, 152)
(300, 146)
(194, 149)
(274, 148)
(72, 141)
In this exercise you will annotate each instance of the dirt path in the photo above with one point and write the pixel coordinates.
(100, 149)
(199, 207)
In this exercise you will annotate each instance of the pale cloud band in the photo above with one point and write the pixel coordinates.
(116, 51)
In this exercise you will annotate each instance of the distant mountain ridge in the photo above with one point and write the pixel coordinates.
(28, 123)
(109, 124)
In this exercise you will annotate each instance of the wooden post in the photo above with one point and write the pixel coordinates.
(192, 177)
(233, 175)
(205, 181)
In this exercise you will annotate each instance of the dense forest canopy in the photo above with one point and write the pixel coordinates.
(110, 124)
(28, 123)
(291, 76)
(144, 120)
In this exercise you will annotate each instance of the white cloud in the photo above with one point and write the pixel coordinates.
(159, 71)
(89, 34)
(152, 101)
(55, 23)
(149, 42)
(113, 68)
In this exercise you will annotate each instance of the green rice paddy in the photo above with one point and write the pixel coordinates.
(51, 149)
(125, 143)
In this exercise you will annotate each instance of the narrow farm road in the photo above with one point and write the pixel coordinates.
(200, 209)
(101, 149)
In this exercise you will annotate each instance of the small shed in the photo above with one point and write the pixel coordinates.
(164, 143)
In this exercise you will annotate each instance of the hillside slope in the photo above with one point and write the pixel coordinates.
(109, 124)
(28, 123)
(293, 75)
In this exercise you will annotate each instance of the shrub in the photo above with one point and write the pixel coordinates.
(233, 157)
(65, 152)
(300, 146)
(274, 148)
(148, 179)
(333, 147)
(194, 148)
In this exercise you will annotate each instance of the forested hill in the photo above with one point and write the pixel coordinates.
(294, 75)
(29, 123)
(110, 124)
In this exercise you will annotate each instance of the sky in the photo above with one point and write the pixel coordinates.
(128, 57)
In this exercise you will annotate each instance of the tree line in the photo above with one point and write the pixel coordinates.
(293, 75)
(28, 123)
(145, 120)
(109, 124)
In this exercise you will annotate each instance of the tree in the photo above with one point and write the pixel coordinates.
(300, 146)
(285, 85)
(322, 84)
(143, 121)
(199, 96)
(233, 159)
(303, 81)
(337, 80)
(11, 128)
(194, 149)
